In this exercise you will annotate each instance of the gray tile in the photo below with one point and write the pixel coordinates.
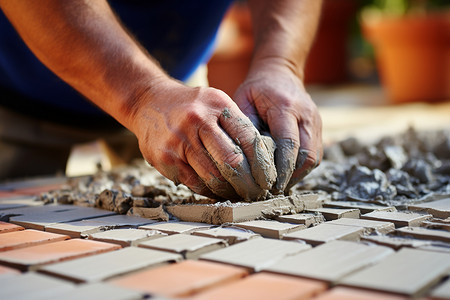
(363, 207)
(331, 261)
(442, 291)
(98, 291)
(176, 227)
(408, 271)
(325, 232)
(439, 209)
(303, 218)
(424, 233)
(336, 213)
(395, 242)
(126, 237)
(400, 219)
(32, 286)
(106, 265)
(189, 246)
(232, 235)
(270, 229)
(368, 225)
(256, 254)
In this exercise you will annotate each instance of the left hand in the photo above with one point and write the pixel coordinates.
(275, 100)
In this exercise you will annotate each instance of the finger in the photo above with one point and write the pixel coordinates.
(245, 135)
(284, 129)
(200, 161)
(248, 109)
(230, 162)
(180, 172)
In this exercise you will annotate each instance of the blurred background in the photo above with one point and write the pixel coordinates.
(376, 66)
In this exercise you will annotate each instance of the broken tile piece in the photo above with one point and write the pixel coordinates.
(344, 293)
(31, 258)
(176, 227)
(227, 212)
(180, 279)
(400, 219)
(32, 286)
(98, 291)
(442, 291)
(41, 220)
(126, 237)
(232, 235)
(364, 208)
(439, 209)
(368, 225)
(264, 286)
(331, 261)
(8, 227)
(110, 264)
(424, 233)
(304, 218)
(324, 233)
(249, 254)
(337, 213)
(270, 229)
(27, 238)
(189, 246)
(407, 271)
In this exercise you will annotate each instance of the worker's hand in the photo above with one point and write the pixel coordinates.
(199, 137)
(275, 100)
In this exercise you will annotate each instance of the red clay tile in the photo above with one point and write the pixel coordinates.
(8, 227)
(341, 293)
(264, 286)
(181, 279)
(6, 270)
(27, 238)
(32, 257)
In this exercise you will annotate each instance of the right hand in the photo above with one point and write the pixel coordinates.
(199, 137)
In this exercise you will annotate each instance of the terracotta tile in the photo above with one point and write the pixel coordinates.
(31, 258)
(8, 227)
(106, 265)
(324, 233)
(442, 291)
(176, 227)
(369, 226)
(337, 213)
(126, 237)
(40, 220)
(363, 207)
(331, 261)
(270, 229)
(232, 235)
(342, 293)
(240, 212)
(400, 219)
(98, 291)
(425, 233)
(27, 238)
(305, 219)
(264, 286)
(409, 271)
(32, 286)
(439, 208)
(181, 279)
(190, 246)
(255, 254)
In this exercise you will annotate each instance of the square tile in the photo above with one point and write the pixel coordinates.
(176, 227)
(270, 229)
(232, 235)
(27, 238)
(8, 227)
(400, 219)
(126, 237)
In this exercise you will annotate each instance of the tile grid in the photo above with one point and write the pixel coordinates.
(229, 273)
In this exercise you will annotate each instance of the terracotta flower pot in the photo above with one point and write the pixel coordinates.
(413, 56)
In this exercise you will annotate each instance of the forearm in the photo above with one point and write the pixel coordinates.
(83, 43)
(284, 30)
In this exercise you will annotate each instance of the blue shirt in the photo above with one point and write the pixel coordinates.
(178, 33)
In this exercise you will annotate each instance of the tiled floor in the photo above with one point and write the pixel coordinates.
(69, 252)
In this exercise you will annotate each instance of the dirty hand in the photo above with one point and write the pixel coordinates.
(199, 137)
(275, 100)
